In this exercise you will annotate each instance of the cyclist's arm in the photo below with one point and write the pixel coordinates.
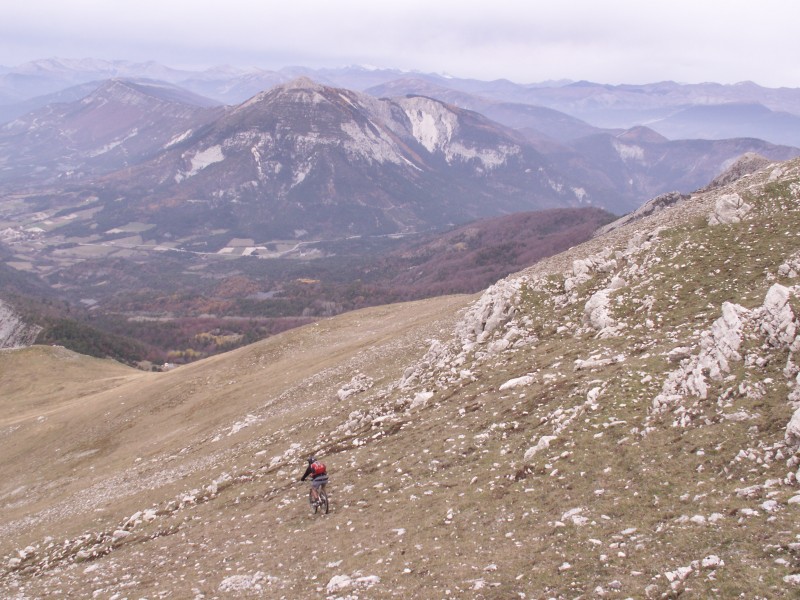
(306, 474)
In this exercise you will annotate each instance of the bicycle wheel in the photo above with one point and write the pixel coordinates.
(323, 501)
(314, 503)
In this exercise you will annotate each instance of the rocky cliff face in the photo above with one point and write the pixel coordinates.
(14, 332)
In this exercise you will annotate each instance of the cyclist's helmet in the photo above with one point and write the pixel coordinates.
(311, 459)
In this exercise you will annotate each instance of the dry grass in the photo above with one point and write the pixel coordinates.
(436, 501)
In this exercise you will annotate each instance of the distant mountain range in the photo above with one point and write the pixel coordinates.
(304, 160)
(29, 86)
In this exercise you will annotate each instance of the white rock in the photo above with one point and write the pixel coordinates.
(617, 283)
(543, 443)
(149, 515)
(523, 381)
(728, 209)
(120, 534)
(596, 311)
(719, 346)
(421, 399)
(240, 583)
(576, 517)
(367, 581)
(698, 520)
(678, 574)
(593, 395)
(712, 561)
(770, 506)
(359, 383)
(777, 318)
(753, 491)
(629, 531)
(793, 430)
(338, 583)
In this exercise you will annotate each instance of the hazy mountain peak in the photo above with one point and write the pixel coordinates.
(134, 91)
(122, 90)
(641, 134)
(302, 83)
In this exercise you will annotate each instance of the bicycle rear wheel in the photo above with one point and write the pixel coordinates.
(323, 501)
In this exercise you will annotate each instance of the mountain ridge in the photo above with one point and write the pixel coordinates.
(120, 122)
(603, 105)
(283, 160)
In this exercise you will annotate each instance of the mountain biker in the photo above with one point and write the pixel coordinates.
(319, 476)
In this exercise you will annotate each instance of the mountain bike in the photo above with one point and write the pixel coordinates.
(322, 503)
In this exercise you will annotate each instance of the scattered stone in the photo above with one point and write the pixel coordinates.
(712, 562)
(543, 443)
(241, 583)
(511, 384)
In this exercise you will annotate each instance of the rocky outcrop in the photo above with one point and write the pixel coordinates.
(729, 208)
(774, 323)
(748, 163)
(651, 207)
(359, 383)
(718, 348)
(14, 331)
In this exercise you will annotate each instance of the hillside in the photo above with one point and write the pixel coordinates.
(119, 124)
(621, 420)
(176, 308)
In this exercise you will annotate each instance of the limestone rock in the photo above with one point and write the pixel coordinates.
(778, 320)
(730, 208)
(793, 430)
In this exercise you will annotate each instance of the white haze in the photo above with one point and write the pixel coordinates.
(615, 41)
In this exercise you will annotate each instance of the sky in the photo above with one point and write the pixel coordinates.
(526, 41)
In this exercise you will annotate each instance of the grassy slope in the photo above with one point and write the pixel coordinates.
(439, 500)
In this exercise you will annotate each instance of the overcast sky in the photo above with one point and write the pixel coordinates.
(527, 41)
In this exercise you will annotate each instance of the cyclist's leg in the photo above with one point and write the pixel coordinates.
(314, 492)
